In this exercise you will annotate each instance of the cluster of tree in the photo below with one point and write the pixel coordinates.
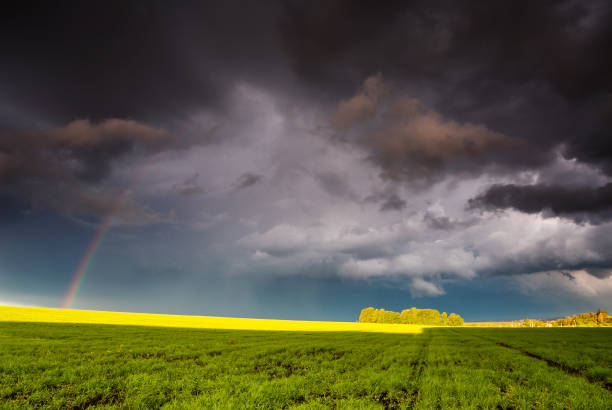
(599, 318)
(532, 323)
(410, 316)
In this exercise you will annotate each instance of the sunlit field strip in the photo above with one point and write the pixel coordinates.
(27, 314)
(491, 324)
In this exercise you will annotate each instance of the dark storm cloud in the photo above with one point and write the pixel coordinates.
(579, 203)
(468, 86)
(595, 147)
(139, 59)
(599, 272)
(529, 70)
(81, 150)
(154, 60)
(63, 167)
(411, 143)
(560, 42)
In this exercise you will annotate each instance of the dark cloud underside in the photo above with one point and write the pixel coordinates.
(579, 203)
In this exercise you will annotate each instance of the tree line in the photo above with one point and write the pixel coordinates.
(411, 316)
(599, 318)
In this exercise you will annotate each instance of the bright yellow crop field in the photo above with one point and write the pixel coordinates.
(27, 314)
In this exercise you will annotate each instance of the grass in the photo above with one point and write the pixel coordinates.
(77, 365)
(586, 351)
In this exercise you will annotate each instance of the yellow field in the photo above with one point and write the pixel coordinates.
(27, 314)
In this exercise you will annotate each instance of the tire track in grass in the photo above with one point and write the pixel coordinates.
(418, 366)
(563, 367)
(551, 363)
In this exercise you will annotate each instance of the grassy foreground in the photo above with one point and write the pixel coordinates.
(72, 365)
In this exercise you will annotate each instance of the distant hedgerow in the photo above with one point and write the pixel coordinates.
(410, 316)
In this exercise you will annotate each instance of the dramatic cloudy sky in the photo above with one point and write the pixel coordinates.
(304, 159)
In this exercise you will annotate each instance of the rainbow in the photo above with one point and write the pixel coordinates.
(90, 252)
(86, 260)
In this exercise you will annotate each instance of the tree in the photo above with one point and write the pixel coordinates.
(408, 316)
(367, 315)
(455, 320)
(533, 323)
(602, 316)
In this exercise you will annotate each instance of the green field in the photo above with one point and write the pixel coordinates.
(68, 365)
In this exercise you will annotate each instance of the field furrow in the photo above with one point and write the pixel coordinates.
(584, 352)
(557, 365)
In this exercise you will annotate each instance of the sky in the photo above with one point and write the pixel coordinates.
(307, 159)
